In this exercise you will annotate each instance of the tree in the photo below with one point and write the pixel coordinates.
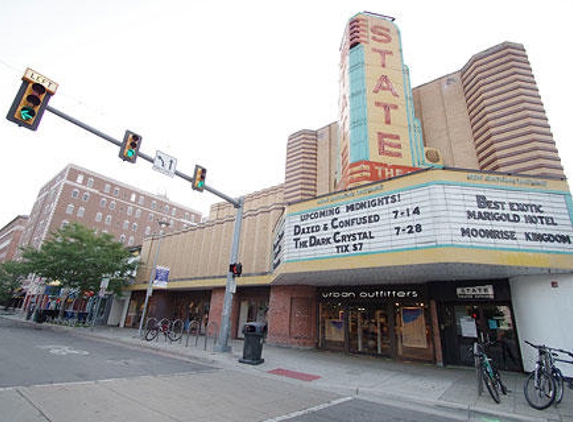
(12, 273)
(79, 259)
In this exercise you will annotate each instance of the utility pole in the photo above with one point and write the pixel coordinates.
(162, 225)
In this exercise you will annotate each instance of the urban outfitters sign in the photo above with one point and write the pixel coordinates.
(433, 215)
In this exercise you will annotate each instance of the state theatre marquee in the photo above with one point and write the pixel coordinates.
(467, 210)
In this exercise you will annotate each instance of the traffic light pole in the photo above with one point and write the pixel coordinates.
(230, 288)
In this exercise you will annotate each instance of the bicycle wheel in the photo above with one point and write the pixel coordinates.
(175, 330)
(539, 390)
(558, 380)
(151, 333)
(491, 385)
(501, 386)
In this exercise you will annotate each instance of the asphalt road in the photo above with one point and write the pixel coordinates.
(36, 355)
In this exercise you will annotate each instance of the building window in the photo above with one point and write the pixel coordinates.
(75, 193)
(70, 209)
(86, 197)
(81, 211)
(141, 200)
(107, 188)
(90, 183)
(173, 211)
(112, 205)
(137, 213)
(153, 205)
(99, 216)
(125, 224)
(134, 227)
(129, 210)
(166, 209)
(122, 238)
(108, 219)
(65, 223)
(150, 218)
(133, 197)
(131, 241)
(80, 179)
(115, 191)
(147, 231)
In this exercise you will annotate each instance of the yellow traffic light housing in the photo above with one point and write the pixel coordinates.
(31, 100)
(130, 146)
(199, 178)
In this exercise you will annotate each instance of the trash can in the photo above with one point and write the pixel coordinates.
(254, 333)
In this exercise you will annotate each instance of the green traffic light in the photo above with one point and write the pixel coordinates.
(130, 153)
(27, 113)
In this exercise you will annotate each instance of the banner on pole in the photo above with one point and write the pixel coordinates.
(161, 276)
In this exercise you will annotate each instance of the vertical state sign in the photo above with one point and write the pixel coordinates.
(380, 134)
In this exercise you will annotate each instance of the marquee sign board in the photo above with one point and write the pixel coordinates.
(431, 215)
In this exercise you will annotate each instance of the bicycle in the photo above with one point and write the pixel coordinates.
(539, 387)
(540, 392)
(172, 330)
(486, 373)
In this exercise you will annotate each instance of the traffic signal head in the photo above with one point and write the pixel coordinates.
(199, 178)
(130, 146)
(236, 269)
(31, 100)
(29, 105)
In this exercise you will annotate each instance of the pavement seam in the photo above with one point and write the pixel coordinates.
(309, 410)
(21, 393)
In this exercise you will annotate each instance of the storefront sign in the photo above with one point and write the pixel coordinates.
(369, 294)
(429, 216)
(475, 292)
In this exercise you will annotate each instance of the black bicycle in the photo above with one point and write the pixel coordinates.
(487, 373)
(544, 386)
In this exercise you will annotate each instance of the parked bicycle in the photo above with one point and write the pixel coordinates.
(487, 373)
(544, 386)
(172, 330)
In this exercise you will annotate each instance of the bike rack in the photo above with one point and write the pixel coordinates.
(192, 324)
(180, 331)
(211, 323)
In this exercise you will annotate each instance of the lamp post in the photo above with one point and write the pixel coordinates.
(162, 225)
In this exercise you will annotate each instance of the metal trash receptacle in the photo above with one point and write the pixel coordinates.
(254, 333)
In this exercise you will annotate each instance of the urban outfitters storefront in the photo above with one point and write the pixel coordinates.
(391, 321)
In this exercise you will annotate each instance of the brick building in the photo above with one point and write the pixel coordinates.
(422, 219)
(80, 195)
(10, 238)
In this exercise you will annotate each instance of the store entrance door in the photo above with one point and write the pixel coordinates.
(369, 331)
(462, 325)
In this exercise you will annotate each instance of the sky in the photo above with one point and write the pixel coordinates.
(224, 83)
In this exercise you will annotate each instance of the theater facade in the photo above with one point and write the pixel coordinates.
(422, 220)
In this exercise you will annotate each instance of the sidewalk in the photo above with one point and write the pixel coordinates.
(415, 384)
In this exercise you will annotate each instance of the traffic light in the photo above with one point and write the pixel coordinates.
(199, 178)
(130, 146)
(31, 100)
(236, 269)
(29, 105)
